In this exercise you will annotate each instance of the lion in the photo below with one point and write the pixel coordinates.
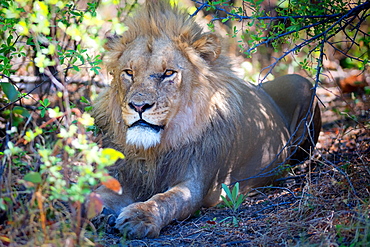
(186, 123)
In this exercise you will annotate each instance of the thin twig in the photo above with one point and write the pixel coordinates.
(271, 206)
(245, 17)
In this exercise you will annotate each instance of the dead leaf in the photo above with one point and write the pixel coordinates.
(95, 205)
(113, 184)
(5, 240)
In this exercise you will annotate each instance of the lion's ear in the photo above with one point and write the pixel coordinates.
(209, 47)
(111, 40)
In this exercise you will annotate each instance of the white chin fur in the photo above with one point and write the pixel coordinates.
(143, 137)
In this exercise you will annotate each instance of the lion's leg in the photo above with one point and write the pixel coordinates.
(307, 135)
(146, 219)
(293, 94)
(113, 200)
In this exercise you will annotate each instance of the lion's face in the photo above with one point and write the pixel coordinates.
(149, 78)
(161, 82)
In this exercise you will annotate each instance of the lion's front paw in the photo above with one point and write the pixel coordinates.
(139, 220)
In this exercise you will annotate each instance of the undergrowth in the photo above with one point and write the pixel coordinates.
(51, 159)
(330, 206)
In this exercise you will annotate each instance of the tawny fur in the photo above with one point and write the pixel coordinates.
(216, 128)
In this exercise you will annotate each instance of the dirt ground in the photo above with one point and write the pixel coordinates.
(324, 202)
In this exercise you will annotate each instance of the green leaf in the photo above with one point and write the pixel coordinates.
(21, 111)
(88, 108)
(3, 205)
(235, 192)
(227, 202)
(10, 91)
(82, 60)
(235, 221)
(367, 90)
(9, 39)
(227, 190)
(238, 202)
(95, 69)
(42, 113)
(33, 177)
(76, 68)
(84, 100)
(45, 102)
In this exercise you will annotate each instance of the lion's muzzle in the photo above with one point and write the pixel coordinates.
(145, 124)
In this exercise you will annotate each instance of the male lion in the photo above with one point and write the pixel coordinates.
(187, 124)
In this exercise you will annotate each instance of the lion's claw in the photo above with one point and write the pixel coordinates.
(112, 220)
(105, 221)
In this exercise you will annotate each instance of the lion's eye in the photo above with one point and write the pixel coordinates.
(168, 73)
(128, 72)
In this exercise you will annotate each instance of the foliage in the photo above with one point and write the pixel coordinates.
(233, 199)
(70, 167)
(50, 161)
(314, 27)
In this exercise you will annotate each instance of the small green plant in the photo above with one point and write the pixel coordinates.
(234, 220)
(233, 199)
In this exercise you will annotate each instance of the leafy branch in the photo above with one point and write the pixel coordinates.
(321, 22)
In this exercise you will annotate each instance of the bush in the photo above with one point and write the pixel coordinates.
(317, 30)
(50, 158)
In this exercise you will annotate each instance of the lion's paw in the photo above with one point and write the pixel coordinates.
(138, 221)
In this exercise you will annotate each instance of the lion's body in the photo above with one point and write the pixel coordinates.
(187, 124)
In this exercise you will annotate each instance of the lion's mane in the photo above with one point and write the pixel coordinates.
(214, 101)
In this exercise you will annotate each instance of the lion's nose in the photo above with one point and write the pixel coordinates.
(140, 108)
